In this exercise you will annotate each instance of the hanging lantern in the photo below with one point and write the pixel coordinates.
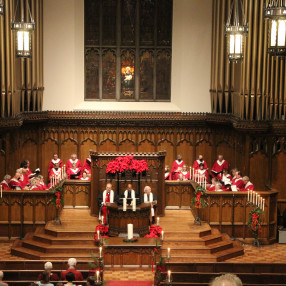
(275, 11)
(1, 7)
(23, 34)
(235, 32)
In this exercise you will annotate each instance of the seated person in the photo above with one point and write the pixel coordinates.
(199, 161)
(167, 173)
(212, 186)
(226, 179)
(72, 268)
(48, 268)
(71, 161)
(5, 183)
(1, 279)
(42, 186)
(177, 167)
(87, 166)
(232, 173)
(45, 279)
(54, 161)
(130, 194)
(202, 174)
(108, 196)
(218, 166)
(33, 184)
(15, 183)
(149, 197)
(248, 186)
(226, 280)
(25, 165)
(180, 177)
(218, 187)
(55, 172)
(73, 173)
(84, 177)
(237, 183)
(185, 174)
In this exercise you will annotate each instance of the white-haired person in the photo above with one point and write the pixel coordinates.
(1, 279)
(72, 268)
(71, 161)
(48, 266)
(5, 183)
(226, 280)
(149, 198)
(248, 186)
(218, 187)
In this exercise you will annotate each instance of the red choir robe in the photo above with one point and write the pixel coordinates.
(85, 179)
(186, 175)
(42, 186)
(211, 188)
(34, 188)
(168, 176)
(73, 172)
(5, 185)
(70, 162)
(107, 198)
(55, 173)
(176, 168)
(238, 183)
(77, 274)
(248, 187)
(15, 184)
(218, 167)
(86, 167)
(202, 174)
(197, 163)
(53, 163)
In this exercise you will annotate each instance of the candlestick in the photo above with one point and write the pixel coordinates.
(193, 174)
(102, 218)
(169, 276)
(124, 204)
(263, 204)
(97, 276)
(169, 251)
(258, 200)
(256, 196)
(134, 204)
(158, 220)
(248, 195)
(162, 235)
(100, 252)
(130, 230)
(98, 235)
(1, 191)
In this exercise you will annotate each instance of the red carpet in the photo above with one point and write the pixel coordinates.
(131, 283)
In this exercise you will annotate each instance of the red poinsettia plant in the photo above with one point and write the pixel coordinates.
(155, 231)
(122, 164)
(103, 230)
(254, 222)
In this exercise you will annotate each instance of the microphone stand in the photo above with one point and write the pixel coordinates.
(232, 227)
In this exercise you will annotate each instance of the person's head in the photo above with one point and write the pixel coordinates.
(33, 182)
(167, 168)
(179, 157)
(74, 165)
(7, 178)
(48, 266)
(226, 280)
(41, 178)
(245, 180)
(45, 277)
(218, 186)
(201, 166)
(185, 168)
(238, 174)
(19, 171)
(24, 164)
(90, 281)
(72, 263)
(181, 177)
(225, 171)
(55, 156)
(73, 156)
(84, 175)
(57, 165)
(108, 187)
(147, 190)
(70, 277)
(129, 187)
(201, 158)
(1, 275)
(214, 181)
(220, 157)
(233, 171)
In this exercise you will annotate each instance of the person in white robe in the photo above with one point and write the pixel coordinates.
(149, 198)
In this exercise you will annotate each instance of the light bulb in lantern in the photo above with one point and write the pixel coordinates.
(281, 33)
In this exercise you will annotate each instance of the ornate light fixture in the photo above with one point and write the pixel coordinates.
(1, 7)
(23, 33)
(235, 31)
(275, 11)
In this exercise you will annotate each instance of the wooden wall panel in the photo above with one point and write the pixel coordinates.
(107, 146)
(85, 147)
(204, 148)
(187, 151)
(68, 147)
(278, 177)
(30, 152)
(226, 150)
(49, 147)
(259, 170)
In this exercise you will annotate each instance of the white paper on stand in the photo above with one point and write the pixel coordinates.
(234, 188)
(124, 204)
(134, 204)
(130, 230)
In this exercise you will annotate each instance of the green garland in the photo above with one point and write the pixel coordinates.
(58, 197)
(197, 201)
(134, 239)
(254, 222)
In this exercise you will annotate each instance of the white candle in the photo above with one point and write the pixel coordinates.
(263, 204)
(193, 174)
(97, 276)
(134, 204)
(248, 195)
(169, 275)
(124, 204)
(102, 218)
(1, 191)
(158, 221)
(61, 173)
(100, 252)
(130, 230)
(169, 251)
(258, 200)
(162, 235)
(98, 235)
(190, 171)
(256, 196)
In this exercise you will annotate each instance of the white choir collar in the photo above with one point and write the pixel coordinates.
(56, 161)
(220, 162)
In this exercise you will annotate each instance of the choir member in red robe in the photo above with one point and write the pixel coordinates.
(54, 161)
(105, 198)
(248, 186)
(199, 161)
(71, 161)
(185, 175)
(226, 180)
(218, 166)
(202, 173)
(15, 184)
(177, 167)
(212, 186)
(167, 173)
(74, 172)
(49, 267)
(237, 183)
(218, 187)
(86, 167)
(233, 172)
(72, 268)
(84, 177)
(33, 185)
(5, 183)
(56, 172)
(42, 186)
